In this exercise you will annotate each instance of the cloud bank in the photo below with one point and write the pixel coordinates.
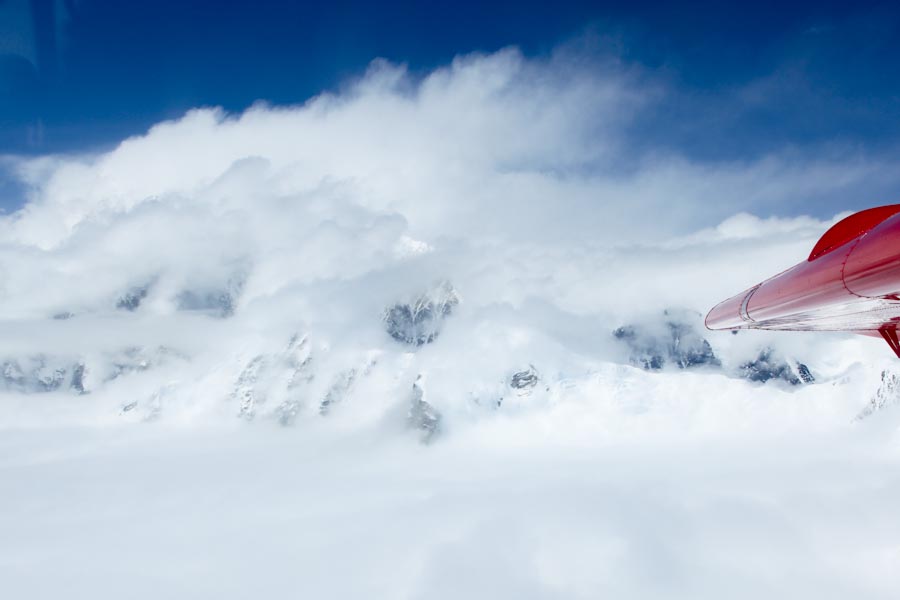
(439, 258)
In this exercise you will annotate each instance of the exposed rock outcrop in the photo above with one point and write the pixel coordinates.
(887, 394)
(275, 379)
(674, 340)
(525, 380)
(78, 373)
(419, 321)
(768, 366)
(132, 299)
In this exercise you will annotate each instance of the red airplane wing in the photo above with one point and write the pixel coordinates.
(850, 282)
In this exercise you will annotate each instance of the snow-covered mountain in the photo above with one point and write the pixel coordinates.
(430, 337)
(295, 375)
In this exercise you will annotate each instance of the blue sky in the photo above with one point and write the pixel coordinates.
(743, 81)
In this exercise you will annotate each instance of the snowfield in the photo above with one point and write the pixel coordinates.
(432, 337)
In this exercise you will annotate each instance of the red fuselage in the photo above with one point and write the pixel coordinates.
(850, 282)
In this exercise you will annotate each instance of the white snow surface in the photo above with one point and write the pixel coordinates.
(217, 279)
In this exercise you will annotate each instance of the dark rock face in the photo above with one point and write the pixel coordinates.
(419, 322)
(523, 383)
(524, 380)
(675, 340)
(132, 299)
(804, 374)
(422, 415)
(887, 394)
(688, 348)
(768, 366)
(77, 383)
